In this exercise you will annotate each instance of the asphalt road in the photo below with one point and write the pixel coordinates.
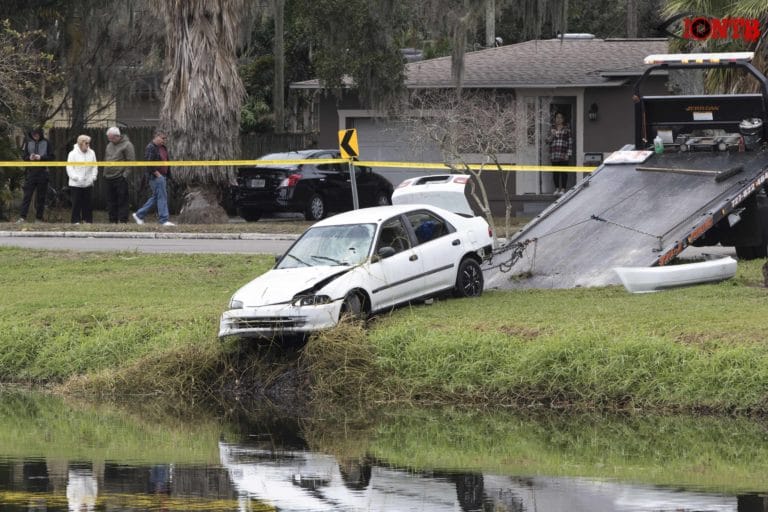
(266, 244)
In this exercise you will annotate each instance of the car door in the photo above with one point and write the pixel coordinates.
(335, 185)
(399, 277)
(440, 249)
(367, 186)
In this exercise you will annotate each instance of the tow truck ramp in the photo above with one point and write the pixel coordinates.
(631, 214)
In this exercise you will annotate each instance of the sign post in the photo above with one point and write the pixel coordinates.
(349, 150)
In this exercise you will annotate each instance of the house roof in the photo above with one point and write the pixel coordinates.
(567, 62)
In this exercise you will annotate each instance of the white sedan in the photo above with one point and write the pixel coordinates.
(358, 263)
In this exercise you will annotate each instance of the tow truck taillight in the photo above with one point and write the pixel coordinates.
(291, 180)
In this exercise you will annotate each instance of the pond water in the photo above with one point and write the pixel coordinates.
(58, 454)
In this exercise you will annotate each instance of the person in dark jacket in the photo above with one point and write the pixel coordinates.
(158, 176)
(119, 149)
(36, 148)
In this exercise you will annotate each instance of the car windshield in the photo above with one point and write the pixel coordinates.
(330, 246)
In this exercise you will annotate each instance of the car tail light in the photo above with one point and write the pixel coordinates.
(404, 184)
(461, 179)
(291, 180)
(490, 232)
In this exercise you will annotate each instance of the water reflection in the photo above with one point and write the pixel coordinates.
(58, 456)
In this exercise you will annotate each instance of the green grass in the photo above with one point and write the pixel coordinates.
(136, 323)
(66, 314)
(42, 425)
(717, 454)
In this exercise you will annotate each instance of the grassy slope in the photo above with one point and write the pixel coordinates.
(64, 315)
(700, 348)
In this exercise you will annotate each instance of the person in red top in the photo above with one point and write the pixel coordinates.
(158, 181)
(560, 150)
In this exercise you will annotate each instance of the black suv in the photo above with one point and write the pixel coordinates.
(313, 190)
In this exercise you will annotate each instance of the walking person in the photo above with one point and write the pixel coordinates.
(81, 179)
(560, 151)
(119, 149)
(158, 181)
(36, 148)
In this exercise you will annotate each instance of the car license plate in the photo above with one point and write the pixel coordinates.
(256, 183)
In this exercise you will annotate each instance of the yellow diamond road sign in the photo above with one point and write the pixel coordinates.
(348, 143)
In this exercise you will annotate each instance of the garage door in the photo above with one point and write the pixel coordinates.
(389, 141)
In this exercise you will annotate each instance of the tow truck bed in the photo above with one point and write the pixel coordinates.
(642, 215)
(622, 216)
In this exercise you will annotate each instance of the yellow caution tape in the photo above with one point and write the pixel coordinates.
(256, 163)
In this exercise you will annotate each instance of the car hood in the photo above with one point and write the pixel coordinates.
(281, 285)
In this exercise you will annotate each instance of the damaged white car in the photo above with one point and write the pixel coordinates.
(358, 263)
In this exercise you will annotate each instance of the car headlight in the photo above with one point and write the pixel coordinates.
(235, 304)
(311, 300)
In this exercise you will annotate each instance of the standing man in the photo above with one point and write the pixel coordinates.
(158, 177)
(119, 149)
(36, 148)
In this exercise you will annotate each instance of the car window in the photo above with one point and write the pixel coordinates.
(393, 234)
(427, 226)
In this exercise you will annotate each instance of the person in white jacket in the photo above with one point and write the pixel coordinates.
(81, 178)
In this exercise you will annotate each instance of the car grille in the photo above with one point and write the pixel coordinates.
(270, 322)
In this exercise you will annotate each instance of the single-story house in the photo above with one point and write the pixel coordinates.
(589, 80)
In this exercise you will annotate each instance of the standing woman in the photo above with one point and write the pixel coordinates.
(81, 178)
(560, 150)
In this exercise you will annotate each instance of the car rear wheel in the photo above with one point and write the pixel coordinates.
(469, 279)
(315, 209)
(353, 307)
(250, 214)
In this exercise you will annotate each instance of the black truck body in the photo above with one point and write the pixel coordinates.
(705, 188)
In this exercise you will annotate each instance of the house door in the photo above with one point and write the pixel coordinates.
(565, 105)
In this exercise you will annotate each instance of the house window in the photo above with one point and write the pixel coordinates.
(530, 121)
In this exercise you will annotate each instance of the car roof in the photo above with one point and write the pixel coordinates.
(377, 214)
(299, 155)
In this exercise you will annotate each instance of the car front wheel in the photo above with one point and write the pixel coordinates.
(315, 209)
(469, 279)
(353, 307)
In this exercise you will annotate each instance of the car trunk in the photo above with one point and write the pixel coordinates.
(256, 179)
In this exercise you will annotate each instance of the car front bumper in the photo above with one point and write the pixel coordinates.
(273, 321)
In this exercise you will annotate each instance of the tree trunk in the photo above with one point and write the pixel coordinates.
(490, 23)
(631, 19)
(278, 91)
(201, 206)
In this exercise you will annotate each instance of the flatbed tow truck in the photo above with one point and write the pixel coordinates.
(643, 207)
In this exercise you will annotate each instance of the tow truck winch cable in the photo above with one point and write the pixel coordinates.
(607, 221)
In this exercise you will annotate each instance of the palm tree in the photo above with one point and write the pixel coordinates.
(726, 81)
(202, 90)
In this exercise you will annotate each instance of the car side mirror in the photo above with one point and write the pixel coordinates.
(386, 252)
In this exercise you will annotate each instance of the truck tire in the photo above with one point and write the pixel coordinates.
(752, 252)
